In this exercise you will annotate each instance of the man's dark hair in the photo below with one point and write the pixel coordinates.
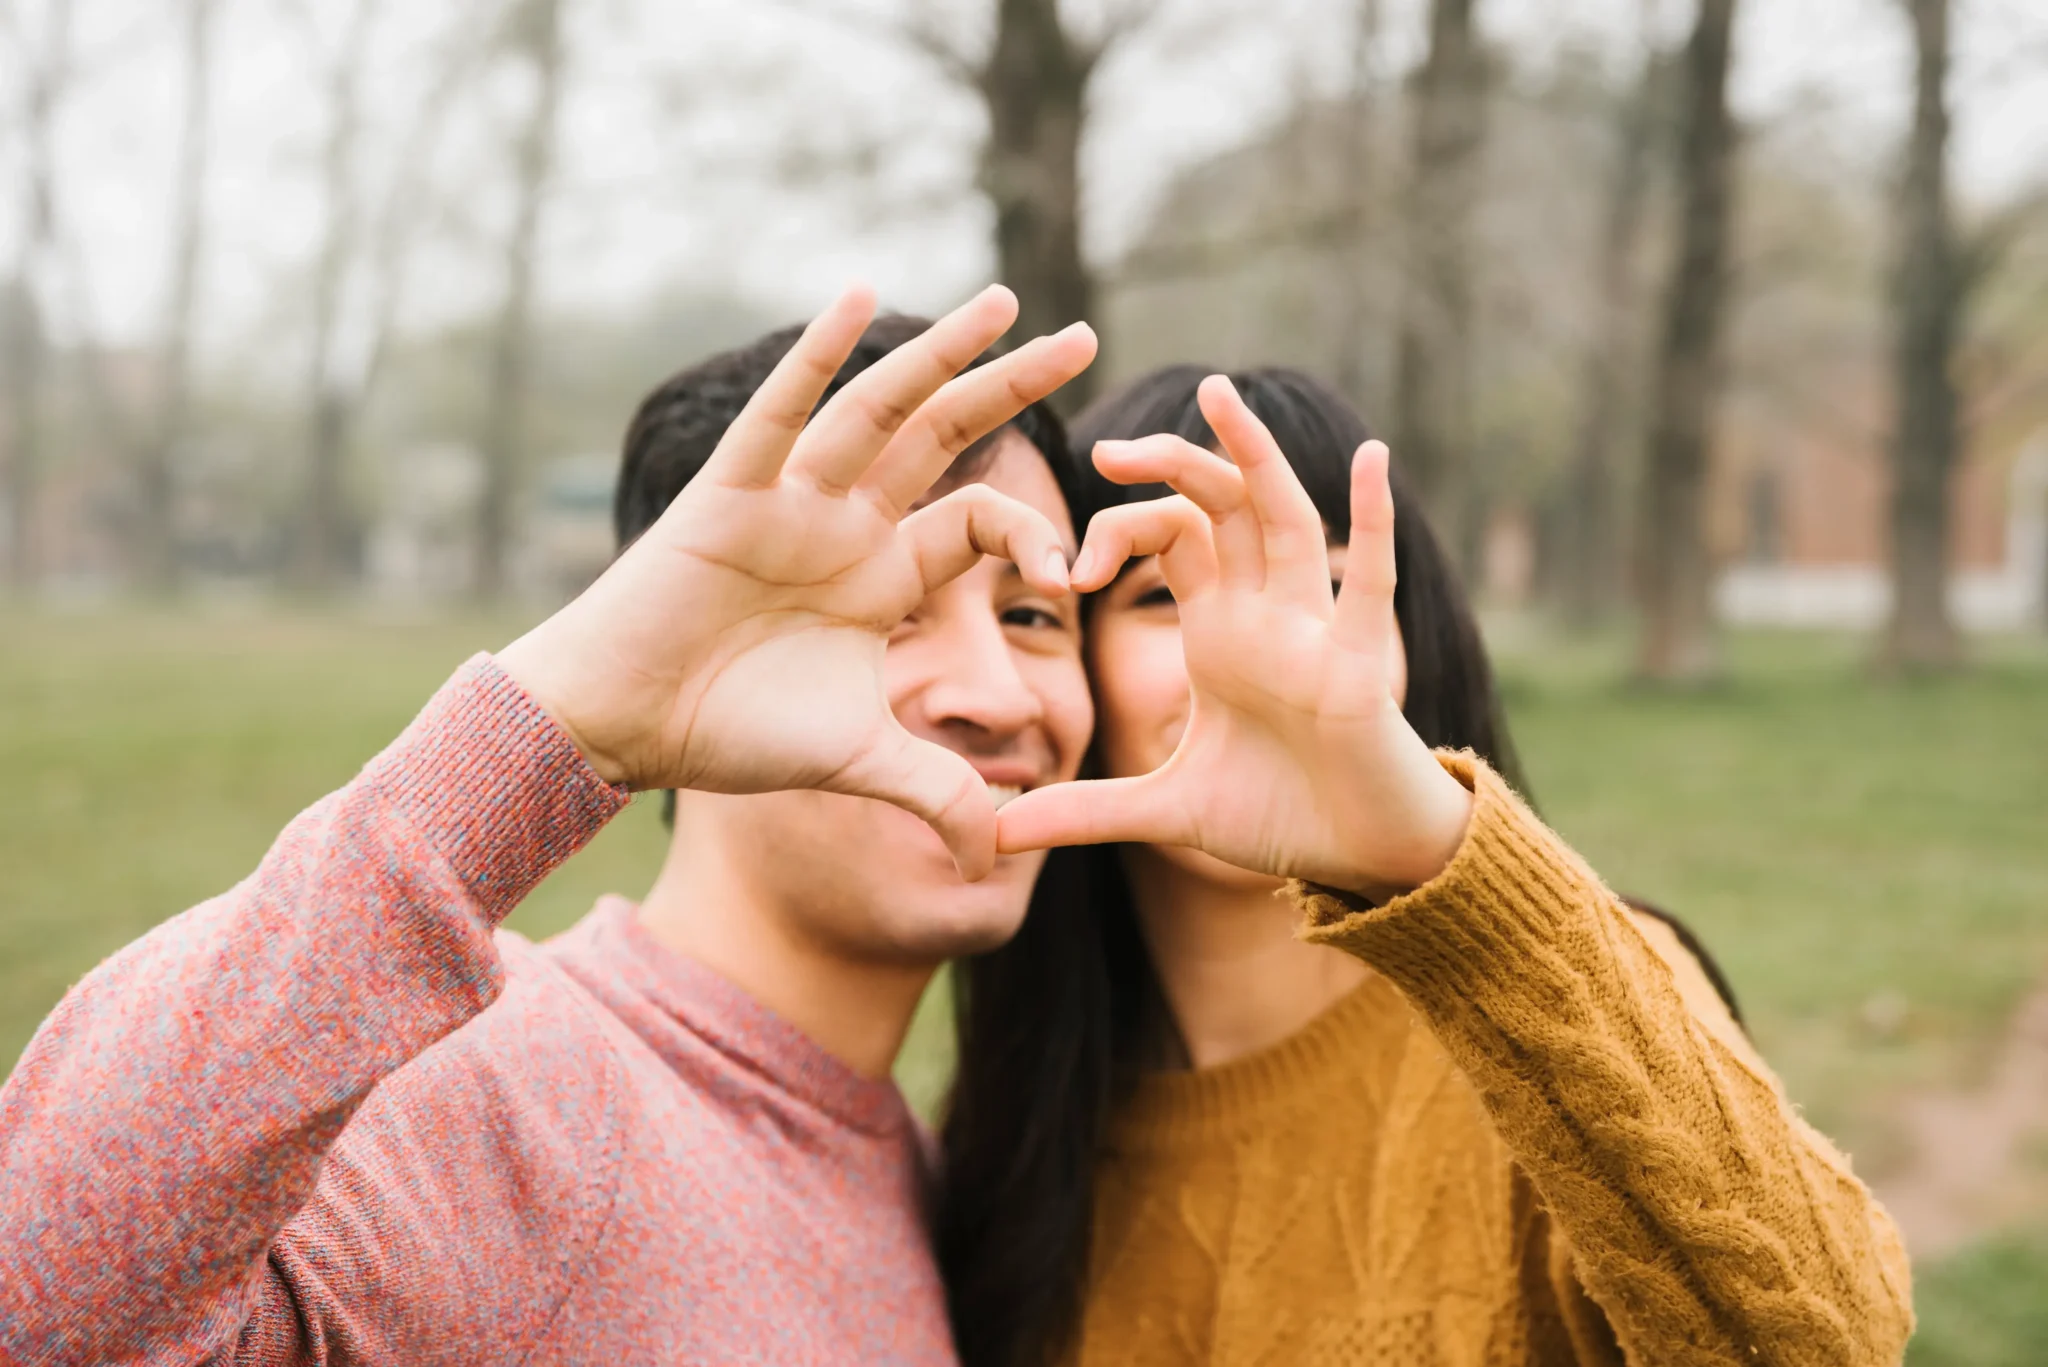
(678, 426)
(681, 422)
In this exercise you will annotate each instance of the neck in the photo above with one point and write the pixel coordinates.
(1234, 975)
(856, 1010)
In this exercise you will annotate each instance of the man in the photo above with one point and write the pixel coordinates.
(284, 1127)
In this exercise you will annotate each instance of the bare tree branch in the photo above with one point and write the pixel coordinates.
(1983, 251)
(404, 211)
(919, 31)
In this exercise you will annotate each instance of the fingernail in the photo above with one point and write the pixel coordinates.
(1056, 567)
(1082, 565)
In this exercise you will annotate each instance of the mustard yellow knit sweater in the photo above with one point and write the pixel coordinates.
(1534, 1135)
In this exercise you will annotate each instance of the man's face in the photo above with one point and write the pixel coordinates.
(987, 667)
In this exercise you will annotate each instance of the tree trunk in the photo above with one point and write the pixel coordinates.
(1354, 323)
(1433, 383)
(1589, 546)
(511, 346)
(1035, 83)
(1928, 296)
(1675, 580)
(27, 352)
(157, 549)
(324, 522)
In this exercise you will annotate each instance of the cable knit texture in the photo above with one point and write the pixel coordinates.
(1534, 1135)
(331, 1117)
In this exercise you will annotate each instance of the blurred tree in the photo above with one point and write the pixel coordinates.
(1033, 82)
(1928, 291)
(1589, 545)
(46, 68)
(360, 268)
(1361, 182)
(1674, 576)
(156, 552)
(320, 549)
(1433, 389)
(535, 37)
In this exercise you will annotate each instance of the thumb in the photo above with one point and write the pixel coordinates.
(931, 783)
(1091, 812)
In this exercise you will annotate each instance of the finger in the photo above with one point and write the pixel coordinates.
(1092, 812)
(935, 785)
(1206, 479)
(948, 537)
(859, 421)
(1173, 529)
(753, 449)
(1295, 546)
(1365, 605)
(970, 406)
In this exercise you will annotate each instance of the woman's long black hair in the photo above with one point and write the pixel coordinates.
(1055, 1026)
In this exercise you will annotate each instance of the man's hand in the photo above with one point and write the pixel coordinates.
(1295, 759)
(737, 646)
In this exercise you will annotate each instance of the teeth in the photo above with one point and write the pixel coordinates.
(1000, 793)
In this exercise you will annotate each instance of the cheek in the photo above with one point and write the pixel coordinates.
(1062, 688)
(1141, 695)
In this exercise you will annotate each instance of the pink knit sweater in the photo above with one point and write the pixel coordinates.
(332, 1116)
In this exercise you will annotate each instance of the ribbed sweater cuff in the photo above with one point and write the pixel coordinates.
(500, 790)
(1516, 916)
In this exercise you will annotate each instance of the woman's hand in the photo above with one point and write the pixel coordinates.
(1295, 760)
(737, 646)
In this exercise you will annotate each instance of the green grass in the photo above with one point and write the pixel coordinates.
(1833, 839)
(1987, 1307)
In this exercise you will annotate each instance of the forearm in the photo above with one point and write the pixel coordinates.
(1709, 1222)
(172, 1114)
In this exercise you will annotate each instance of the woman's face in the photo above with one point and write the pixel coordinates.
(1141, 688)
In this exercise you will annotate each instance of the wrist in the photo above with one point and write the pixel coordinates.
(1446, 814)
(1437, 811)
(534, 666)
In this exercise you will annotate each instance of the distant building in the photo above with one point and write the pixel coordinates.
(568, 533)
(1802, 527)
(422, 542)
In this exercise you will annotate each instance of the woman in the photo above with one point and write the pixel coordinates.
(1479, 1112)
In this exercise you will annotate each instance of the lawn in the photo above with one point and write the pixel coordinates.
(1868, 860)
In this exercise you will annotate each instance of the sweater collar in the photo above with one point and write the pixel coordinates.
(1366, 1028)
(722, 1014)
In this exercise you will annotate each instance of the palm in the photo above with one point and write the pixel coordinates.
(1268, 691)
(1295, 760)
(737, 646)
(782, 687)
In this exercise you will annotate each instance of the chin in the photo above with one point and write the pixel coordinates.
(932, 914)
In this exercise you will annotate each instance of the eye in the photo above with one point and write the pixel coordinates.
(1158, 596)
(1032, 618)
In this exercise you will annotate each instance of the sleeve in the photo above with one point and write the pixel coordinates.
(1705, 1218)
(176, 1110)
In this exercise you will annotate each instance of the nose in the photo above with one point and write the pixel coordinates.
(975, 685)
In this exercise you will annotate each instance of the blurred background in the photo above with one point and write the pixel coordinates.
(1715, 333)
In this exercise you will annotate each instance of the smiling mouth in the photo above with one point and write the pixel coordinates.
(1004, 793)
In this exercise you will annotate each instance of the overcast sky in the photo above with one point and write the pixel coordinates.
(675, 109)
